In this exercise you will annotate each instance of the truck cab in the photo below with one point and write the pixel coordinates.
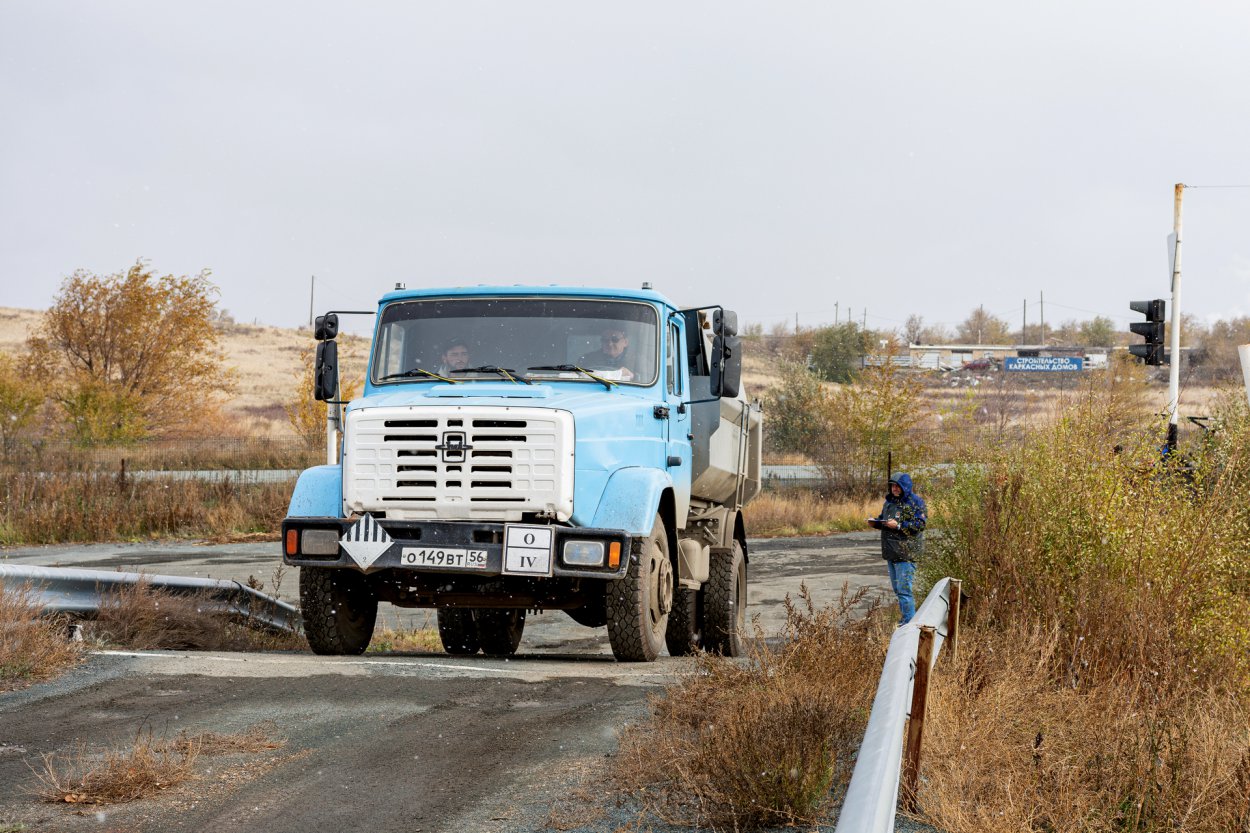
(519, 449)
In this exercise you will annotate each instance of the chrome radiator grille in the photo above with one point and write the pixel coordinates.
(459, 462)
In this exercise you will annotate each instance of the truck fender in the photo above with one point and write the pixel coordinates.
(318, 493)
(631, 500)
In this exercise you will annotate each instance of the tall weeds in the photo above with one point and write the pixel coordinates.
(740, 745)
(1105, 682)
(32, 648)
(40, 508)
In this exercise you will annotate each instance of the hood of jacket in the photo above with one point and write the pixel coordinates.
(904, 482)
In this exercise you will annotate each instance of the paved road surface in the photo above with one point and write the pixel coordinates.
(383, 742)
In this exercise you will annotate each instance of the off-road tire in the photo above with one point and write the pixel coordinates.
(684, 635)
(339, 609)
(639, 604)
(725, 603)
(457, 630)
(500, 631)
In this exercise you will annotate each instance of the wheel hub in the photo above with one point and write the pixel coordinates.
(664, 586)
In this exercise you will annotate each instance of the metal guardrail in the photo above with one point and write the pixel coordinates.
(872, 796)
(81, 593)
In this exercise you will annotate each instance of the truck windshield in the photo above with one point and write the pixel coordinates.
(463, 338)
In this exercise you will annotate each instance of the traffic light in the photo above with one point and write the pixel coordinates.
(1151, 328)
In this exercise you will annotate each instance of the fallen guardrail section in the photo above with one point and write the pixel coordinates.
(872, 796)
(81, 593)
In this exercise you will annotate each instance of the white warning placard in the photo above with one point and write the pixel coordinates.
(527, 549)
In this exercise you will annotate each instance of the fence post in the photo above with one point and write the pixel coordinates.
(952, 617)
(915, 723)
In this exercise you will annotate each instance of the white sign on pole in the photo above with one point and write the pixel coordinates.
(1171, 257)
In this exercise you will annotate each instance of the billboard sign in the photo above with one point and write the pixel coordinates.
(1050, 364)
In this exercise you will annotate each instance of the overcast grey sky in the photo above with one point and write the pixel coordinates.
(774, 157)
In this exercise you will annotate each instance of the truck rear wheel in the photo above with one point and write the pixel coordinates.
(500, 631)
(685, 624)
(725, 607)
(639, 604)
(457, 631)
(339, 609)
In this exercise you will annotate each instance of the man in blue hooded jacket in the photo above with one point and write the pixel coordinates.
(902, 523)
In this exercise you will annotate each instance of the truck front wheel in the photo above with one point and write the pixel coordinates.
(339, 609)
(639, 604)
(725, 604)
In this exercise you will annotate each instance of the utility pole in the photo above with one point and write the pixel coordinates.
(1024, 324)
(796, 323)
(1041, 301)
(1174, 368)
(312, 288)
(980, 322)
(836, 319)
(865, 324)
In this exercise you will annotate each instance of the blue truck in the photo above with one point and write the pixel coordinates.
(520, 449)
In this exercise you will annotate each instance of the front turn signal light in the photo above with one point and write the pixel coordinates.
(292, 541)
(614, 554)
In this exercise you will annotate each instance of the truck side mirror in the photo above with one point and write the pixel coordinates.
(327, 327)
(724, 322)
(726, 364)
(326, 371)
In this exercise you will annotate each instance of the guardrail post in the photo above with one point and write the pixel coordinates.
(952, 617)
(915, 723)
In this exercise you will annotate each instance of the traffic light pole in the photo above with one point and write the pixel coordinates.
(1174, 366)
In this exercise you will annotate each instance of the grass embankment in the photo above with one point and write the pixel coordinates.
(64, 507)
(740, 745)
(1105, 680)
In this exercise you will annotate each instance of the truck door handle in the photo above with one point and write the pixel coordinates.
(660, 412)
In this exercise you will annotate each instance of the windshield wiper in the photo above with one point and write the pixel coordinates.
(607, 383)
(506, 372)
(420, 371)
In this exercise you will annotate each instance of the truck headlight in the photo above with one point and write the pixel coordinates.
(319, 542)
(583, 553)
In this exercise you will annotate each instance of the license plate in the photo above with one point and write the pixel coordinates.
(443, 557)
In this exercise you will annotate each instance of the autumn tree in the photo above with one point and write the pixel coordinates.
(132, 354)
(798, 411)
(1098, 332)
(20, 398)
(980, 327)
(836, 350)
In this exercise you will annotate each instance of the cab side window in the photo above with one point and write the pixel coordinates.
(672, 361)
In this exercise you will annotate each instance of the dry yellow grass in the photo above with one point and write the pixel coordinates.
(745, 745)
(145, 767)
(399, 641)
(802, 512)
(32, 647)
(259, 738)
(115, 775)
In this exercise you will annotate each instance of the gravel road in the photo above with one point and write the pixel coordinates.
(385, 742)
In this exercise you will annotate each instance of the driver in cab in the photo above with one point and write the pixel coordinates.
(613, 354)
